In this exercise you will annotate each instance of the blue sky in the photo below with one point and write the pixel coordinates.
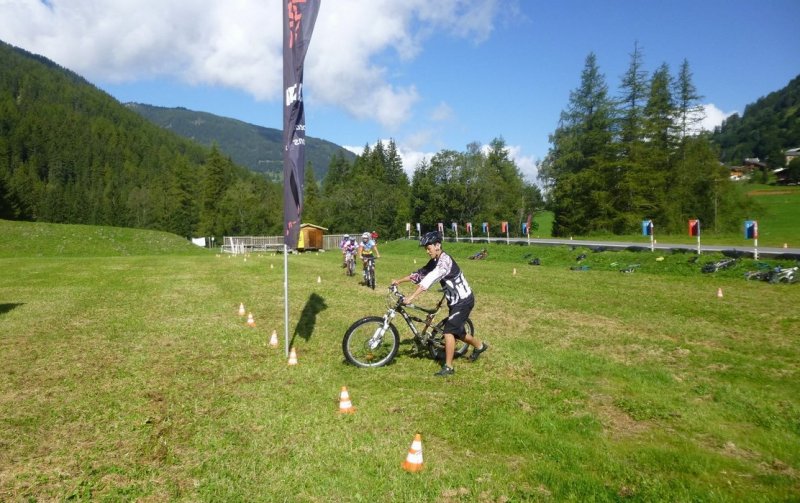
(432, 75)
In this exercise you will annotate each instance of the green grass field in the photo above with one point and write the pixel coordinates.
(128, 375)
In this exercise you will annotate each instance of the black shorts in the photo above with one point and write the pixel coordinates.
(457, 319)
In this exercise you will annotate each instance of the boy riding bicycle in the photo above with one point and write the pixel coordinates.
(367, 248)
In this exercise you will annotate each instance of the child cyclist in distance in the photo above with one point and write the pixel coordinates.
(460, 300)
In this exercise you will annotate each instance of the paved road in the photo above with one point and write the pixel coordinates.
(763, 252)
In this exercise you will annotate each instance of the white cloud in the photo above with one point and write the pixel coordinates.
(442, 113)
(238, 44)
(713, 117)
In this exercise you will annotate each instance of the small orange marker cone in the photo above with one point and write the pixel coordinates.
(241, 309)
(250, 321)
(719, 292)
(292, 357)
(345, 405)
(413, 462)
(273, 341)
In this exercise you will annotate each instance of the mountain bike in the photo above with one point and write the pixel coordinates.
(374, 341)
(350, 263)
(369, 272)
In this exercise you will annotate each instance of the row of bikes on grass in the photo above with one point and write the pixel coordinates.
(369, 268)
(766, 273)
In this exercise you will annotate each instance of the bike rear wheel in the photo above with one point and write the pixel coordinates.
(436, 345)
(351, 265)
(367, 344)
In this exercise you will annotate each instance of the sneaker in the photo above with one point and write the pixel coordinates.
(446, 371)
(476, 353)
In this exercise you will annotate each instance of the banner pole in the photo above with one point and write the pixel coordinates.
(286, 298)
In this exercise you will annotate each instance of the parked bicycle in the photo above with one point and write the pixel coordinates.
(374, 341)
(369, 271)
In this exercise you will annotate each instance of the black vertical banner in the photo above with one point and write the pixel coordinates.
(299, 17)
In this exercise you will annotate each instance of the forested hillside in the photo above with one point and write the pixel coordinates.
(71, 153)
(765, 130)
(258, 148)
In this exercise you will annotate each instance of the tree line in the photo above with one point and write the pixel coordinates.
(617, 160)
(70, 153)
(375, 193)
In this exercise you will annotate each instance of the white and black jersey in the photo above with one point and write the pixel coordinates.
(449, 275)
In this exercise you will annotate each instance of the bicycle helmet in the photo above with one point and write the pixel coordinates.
(430, 238)
(365, 236)
(346, 237)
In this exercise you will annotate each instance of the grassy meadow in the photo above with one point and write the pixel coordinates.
(128, 375)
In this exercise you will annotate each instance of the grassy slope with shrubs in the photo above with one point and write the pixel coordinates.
(128, 374)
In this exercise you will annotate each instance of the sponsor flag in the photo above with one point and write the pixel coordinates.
(408, 226)
(694, 227)
(750, 229)
(469, 227)
(528, 224)
(454, 226)
(299, 17)
(485, 227)
(440, 225)
(503, 226)
(524, 228)
(647, 227)
(418, 227)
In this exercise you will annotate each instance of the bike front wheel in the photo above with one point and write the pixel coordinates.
(368, 344)
(436, 345)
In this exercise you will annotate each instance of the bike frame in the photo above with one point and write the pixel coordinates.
(411, 320)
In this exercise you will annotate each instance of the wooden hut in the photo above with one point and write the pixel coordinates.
(310, 237)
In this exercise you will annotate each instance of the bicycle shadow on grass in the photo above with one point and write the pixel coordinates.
(308, 317)
(4, 308)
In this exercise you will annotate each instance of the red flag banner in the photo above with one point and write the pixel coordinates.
(299, 17)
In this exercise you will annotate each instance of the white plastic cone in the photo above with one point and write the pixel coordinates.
(719, 292)
(273, 341)
(413, 462)
(241, 309)
(292, 357)
(250, 321)
(345, 405)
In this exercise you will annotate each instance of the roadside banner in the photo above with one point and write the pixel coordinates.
(694, 230)
(751, 232)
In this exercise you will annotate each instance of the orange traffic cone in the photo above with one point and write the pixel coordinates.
(719, 292)
(413, 462)
(273, 341)
(241, 309)
(250, 321)
(292, 357)
(345, 405)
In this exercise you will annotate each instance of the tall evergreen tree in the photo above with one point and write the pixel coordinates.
(582, 157)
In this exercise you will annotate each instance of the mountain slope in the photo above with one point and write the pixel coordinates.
(258, 148)
(765, 130)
